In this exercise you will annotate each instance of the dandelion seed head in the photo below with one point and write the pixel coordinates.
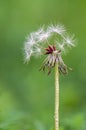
(35, 43)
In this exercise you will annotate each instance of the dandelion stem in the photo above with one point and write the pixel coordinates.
(56, 97)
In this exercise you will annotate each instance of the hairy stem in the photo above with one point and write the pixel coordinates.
(56, 97)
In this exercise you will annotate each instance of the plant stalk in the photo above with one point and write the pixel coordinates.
(56, 97)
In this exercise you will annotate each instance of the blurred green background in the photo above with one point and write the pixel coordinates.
(27, 95)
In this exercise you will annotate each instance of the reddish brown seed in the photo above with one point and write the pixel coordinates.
(50, 49)
(54, 48)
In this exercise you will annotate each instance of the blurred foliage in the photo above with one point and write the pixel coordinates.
(27, 95)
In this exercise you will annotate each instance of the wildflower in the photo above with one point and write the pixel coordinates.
(40, 43)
